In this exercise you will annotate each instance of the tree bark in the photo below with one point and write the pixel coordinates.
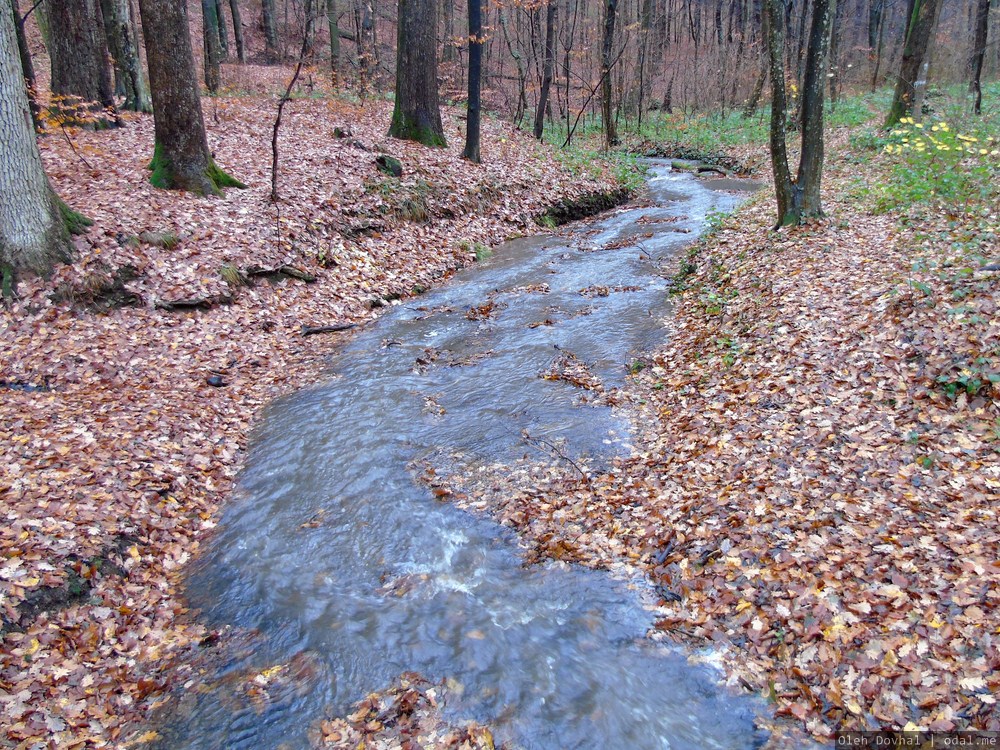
(547, 67)
(79, 56)
(813, 93)
(269, 15)
(234, 9)
(798, 198)
(607, 47)
(123, 44)
(416, 116)
(181, 159)
(331, 17)
(448, 13)
(223, 36)
(978, 54)
(33, 236)
(919, 32)
(472, 128)
(213, 48)
(27, 66)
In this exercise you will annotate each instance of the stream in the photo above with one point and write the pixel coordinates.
(342, 560)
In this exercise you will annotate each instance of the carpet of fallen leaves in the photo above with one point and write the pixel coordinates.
(130, 378)
(816, 475)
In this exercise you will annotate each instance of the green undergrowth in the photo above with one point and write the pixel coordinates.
(945, 162)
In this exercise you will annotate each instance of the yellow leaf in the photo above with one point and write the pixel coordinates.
(744, 604)
(33, 647)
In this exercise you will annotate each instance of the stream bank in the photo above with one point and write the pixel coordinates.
(344, 562)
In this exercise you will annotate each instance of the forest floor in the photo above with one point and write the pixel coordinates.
(816, 467)
(131, 378)
(817, 455)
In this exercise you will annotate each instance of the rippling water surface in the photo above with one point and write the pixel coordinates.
(344, 562)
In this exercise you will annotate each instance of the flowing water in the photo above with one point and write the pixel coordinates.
(341, 559)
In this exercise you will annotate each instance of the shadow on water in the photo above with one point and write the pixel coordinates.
(343, 562)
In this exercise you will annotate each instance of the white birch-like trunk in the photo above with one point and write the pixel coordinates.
(32, 234)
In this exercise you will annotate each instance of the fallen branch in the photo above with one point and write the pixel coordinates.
(313, 330)
(194, 303)
(292, 271)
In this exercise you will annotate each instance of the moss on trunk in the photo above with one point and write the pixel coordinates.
(209, 181)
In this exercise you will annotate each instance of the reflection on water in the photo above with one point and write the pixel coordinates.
(348, 565)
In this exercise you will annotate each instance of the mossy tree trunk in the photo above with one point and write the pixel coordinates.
(181, 159)
(123, 44)
(33, 236)
(798, 198)
(417, 116)
(79, 54)
(213, 47)
(919, 32)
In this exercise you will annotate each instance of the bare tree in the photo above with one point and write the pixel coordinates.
(607, 48)
(234, 9)
(269, 18)
(547, 66)
(181, 159)
(213, 48)
(799, 197)
(979, 53)
(923, 18)
(471, 151)
(416, 115)
(123, 44)
(33, 236)
(79, 56)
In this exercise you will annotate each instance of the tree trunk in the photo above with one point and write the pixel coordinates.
(813, 91)
(123, 43)
(270, 19)
(547, 67)
(919, 32)
(645, 22)
(234, 9)
(27, 67)
(978, 54)
(416, 116)
(471, 151)
(835, 37)
(181, 159)
(798, 198)
(223, 36)
(607, 47)
(33, 236)
(79, 56)
(522, 75)
(448, 13)
(367, 54)
(875, 10)
(213, 50)
(331, 18)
